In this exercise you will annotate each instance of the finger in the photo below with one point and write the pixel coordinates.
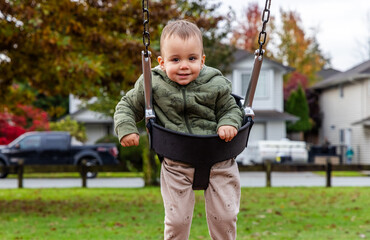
(136, 141)
(221, 134)
(227, 136)
(233, 133)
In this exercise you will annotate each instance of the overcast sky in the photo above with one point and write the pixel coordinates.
(343, 25)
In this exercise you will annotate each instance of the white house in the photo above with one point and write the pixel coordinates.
(268, 103)
(344, 100)
(97, 125)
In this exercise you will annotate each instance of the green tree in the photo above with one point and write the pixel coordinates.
(215, 28)
(298, 106)
(76, 129)
(79, 47)
(56, 106)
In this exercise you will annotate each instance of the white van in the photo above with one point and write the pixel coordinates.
(276, 151)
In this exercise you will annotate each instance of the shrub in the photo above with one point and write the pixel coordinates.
(76, 129)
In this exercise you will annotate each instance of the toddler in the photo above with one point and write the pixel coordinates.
(188, 97)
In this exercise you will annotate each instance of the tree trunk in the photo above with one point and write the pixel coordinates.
(150, 167)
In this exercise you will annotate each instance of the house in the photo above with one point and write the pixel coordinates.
(268, 103)
(344, 100)
(97, 125)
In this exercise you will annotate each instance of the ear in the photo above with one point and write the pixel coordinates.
(203, 60)
(161, 62)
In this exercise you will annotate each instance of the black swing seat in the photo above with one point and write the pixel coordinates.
(200, 151)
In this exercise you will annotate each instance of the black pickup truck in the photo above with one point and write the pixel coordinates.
(55, 148)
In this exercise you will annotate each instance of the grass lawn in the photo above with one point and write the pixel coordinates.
(266, 213)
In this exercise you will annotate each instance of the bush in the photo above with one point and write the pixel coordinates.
(67, 124)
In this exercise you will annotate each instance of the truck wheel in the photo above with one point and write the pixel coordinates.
(3, 173)
(90, 162)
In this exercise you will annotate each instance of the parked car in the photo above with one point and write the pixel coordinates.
(55, 148)
(283, 151)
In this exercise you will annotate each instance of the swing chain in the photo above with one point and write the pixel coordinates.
(146, 35)
(265, 18)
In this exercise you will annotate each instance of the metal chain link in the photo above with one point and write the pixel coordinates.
(146, 35)
(265, 18)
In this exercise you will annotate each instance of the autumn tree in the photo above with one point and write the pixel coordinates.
(298, 50)
(79, 47)
(26, 118)
(87, 48)
(294, 81)
(246, 33)
(214, 27)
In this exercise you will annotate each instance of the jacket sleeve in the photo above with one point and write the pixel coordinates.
(129, 110)
(227, 111)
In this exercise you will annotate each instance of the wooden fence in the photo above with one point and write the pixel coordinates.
(268, 168)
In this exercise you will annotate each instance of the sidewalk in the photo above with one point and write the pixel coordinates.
(247, 179)
(73, 182)
(299, 179)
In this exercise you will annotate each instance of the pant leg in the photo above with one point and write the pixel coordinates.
(223, 200)
(178, 199)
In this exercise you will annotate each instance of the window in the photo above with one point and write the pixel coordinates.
(56, 142)
(341, 135)
(30, 142)
(341, 91)
(262, 90)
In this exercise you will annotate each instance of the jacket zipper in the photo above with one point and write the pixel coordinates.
(185, 115)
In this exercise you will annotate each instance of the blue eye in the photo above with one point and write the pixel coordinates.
(192, 58)
(175, 59)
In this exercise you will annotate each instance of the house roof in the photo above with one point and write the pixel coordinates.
(356, 73)
(365, 122)
(273, 115)
(326, 73)
(241, 54)
(87, 116)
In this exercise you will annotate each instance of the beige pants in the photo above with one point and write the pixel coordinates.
(222, 198)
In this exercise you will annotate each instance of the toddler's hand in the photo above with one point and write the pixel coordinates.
(130, 140)
(227, 133)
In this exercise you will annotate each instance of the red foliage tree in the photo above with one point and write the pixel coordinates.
(31, 118)
(24, 119)
(295, 80)
(246, 33)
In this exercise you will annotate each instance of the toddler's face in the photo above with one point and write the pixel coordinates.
(182, 60)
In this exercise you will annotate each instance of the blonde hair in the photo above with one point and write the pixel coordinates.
(183, 29)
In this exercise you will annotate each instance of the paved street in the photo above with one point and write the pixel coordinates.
(248, 179)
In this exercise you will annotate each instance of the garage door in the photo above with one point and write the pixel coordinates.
(258, 132)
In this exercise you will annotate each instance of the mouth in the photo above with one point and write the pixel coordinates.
(183, 74)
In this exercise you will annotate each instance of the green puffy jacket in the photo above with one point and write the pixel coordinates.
(200, 107)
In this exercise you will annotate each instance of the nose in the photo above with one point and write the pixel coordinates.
(184, 65)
